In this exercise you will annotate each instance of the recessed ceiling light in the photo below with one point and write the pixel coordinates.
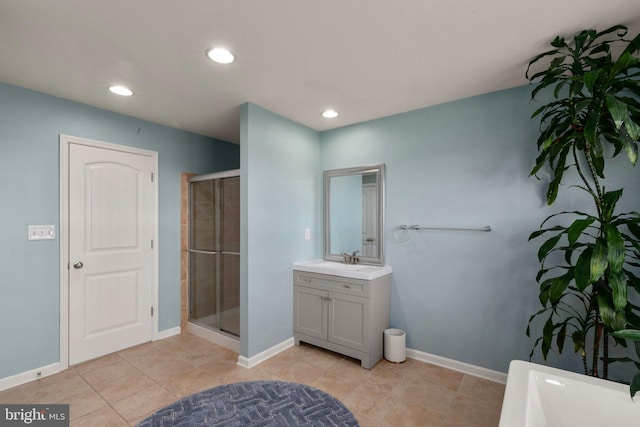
(220, 55)
(121, 90)
(330, 114)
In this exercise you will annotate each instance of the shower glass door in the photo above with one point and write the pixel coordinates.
(214, 254)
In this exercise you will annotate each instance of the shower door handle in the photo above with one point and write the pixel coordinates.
(78, 265)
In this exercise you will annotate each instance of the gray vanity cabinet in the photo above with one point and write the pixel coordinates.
(341, 314)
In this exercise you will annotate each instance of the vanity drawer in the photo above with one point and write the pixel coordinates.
(338, 284)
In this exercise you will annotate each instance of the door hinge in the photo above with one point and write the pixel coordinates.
(152, 311)
(151, 243)
(151, 176)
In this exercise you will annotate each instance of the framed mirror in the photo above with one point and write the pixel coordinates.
(354, 213)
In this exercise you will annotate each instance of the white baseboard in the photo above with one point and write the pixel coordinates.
(169, 333)
(250, 362)
(28, 376)
(54, 368)
(465, 368)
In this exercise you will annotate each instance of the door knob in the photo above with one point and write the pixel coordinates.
(78, 264)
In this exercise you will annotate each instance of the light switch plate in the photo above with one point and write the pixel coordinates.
(42, 232)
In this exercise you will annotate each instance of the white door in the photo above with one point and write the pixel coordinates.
(111, 226)
(369, 220)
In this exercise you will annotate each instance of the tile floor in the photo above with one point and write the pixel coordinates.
(123, 388)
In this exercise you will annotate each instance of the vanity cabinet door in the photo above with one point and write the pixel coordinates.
(310, 311)
(348, 320)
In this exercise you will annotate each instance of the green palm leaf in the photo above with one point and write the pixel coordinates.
(598, 263)
(615, 248)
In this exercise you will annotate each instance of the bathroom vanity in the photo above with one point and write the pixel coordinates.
(342, 307)
(338, 306)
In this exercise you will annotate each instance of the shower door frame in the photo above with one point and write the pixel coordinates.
(193, 326)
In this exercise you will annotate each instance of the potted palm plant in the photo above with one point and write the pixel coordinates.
(589, 261)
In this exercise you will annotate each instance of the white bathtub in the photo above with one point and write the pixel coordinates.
(540, 396)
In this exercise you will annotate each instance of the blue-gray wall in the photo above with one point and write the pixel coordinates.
(465, 295)
(280, 165)
(462, 295)
(30, 124)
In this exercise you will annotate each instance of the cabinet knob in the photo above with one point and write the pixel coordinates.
(347, 287)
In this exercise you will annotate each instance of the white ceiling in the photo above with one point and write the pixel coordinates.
(365, 58)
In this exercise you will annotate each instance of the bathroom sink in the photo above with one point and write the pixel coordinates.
(354, 271)
(340, 266)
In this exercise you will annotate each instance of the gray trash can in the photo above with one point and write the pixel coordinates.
(395, 345)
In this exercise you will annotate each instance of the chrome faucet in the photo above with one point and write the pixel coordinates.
(350, 258)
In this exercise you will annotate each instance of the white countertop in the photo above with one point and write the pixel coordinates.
(354, 271)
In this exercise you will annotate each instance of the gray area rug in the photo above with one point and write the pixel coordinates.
(255, 403)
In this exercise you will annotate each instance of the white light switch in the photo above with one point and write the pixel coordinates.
(307, 234)
(42, 232)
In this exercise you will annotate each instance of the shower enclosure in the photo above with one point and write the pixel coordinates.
(214, 252)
